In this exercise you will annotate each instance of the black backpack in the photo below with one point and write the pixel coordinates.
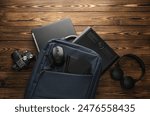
(56, 81)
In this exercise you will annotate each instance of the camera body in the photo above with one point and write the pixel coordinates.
(21, 59)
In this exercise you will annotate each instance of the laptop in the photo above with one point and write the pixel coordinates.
(56, 30)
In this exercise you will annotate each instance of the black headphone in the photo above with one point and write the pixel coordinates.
(127, 82)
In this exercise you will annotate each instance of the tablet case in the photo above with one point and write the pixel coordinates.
(56, 83)
(56, 30)
(89, 38)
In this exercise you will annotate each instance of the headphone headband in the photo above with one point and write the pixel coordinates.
(138, 60)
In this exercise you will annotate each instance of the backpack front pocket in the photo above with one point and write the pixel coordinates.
(62, 85)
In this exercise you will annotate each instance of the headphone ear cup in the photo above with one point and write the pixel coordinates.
(127, 82)
(116, 73)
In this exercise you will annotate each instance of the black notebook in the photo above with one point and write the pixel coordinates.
(89, 38)
(59, 29)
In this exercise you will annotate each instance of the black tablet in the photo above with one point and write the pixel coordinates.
(89, 38)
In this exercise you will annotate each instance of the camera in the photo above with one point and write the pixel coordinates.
(21, 59)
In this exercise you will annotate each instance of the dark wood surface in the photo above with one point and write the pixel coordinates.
(123, 24)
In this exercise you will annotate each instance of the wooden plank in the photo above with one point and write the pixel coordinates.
(121, 47)
(133, 46)
(15, 79)
(138, 47)
(72, 5)
(12, 93)
(71, 1)
(78, 18)
(106, 32)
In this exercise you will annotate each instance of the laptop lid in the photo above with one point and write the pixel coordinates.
(56, 30)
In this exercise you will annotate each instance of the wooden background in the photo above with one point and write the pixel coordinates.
(123, 24)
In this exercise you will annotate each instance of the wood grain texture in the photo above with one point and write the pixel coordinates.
(106, 32)
(79, 18)
(75, 5)
(123, 24)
